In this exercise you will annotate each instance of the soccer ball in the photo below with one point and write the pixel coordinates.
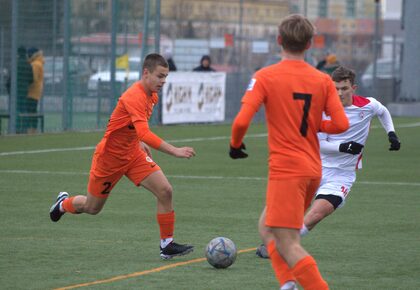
(221, 252)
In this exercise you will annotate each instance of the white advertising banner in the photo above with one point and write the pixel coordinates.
(193, 97)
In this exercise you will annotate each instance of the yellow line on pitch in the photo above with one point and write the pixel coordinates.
(142, 273)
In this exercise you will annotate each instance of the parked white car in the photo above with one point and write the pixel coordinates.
(384, 71)
(122, 76)
(78, 74)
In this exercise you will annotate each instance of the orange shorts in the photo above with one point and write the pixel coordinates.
(100, 185)
(288, 199)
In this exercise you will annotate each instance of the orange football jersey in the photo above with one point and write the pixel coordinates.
(121, 140)
(294, 95)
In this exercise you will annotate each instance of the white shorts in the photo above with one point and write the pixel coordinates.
(336, 182)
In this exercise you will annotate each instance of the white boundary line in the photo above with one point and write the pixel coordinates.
(93, 147)
(46, 150)
(409, 125)
(251, 178)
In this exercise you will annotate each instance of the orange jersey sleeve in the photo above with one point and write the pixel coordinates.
(241, 124)
(250, 105)
(146, 135)
(339, 121)
(294, 95)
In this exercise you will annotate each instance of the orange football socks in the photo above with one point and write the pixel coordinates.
(166, 223)
(308, 276)
(281, 269)
(67, 205)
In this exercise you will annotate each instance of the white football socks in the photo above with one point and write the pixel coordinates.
(165, 242)
(61, 207)
(304, 231)
(289, 285)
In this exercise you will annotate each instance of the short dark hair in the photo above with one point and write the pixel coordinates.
(153, 60)
(296, 32)
(343, 73)
(205, 57)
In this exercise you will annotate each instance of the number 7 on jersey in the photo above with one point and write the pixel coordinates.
(306, 106)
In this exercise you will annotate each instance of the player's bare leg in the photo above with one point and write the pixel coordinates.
(89, 204)
(288, 245)
(264, 231)
(319, 210)
(301, 264)
(265, 235)
(158, 184)
(76, 204)
(281, 269)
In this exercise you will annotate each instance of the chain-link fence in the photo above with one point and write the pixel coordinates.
(91, 51)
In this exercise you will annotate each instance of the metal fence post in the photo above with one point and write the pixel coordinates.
(98, 104)
(1, 59)
(145, 36)
(376, 48)
(157, 27)
(394, 62)
(157, 113)
(240, 38)
(67, 98)
(114, 24)
(13, 71)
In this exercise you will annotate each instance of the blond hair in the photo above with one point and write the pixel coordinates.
(296, 32)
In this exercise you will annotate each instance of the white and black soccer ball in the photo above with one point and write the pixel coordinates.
(221, 252)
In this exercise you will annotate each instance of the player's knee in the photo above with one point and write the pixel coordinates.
(283, 247)
(265, 233)
(288, 250)
(165, 192)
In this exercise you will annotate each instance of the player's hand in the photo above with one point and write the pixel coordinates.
(351, 147)
(184, 152)
(237, 153)
(395, 142)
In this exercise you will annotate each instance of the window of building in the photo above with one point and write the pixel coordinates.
(100, 6)
(294, 8)
(351, 8)
(323, 8)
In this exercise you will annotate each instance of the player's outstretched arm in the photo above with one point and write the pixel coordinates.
(151, 139)
(338, 123)
(239, 127)
(395, 142)
(238, 153)
(351, 147)
(180, 152)
(386, 121)
(325, 145)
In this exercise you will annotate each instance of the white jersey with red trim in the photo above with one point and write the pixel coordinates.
(360, 115)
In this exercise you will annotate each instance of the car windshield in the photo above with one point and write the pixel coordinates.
(51, 65)
(382, 68)
(56, 64)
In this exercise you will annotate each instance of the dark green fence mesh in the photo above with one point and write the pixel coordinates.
(80, 45)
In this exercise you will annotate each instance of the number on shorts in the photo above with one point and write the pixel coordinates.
(306, 106)
(107, 189)
(344, 190)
